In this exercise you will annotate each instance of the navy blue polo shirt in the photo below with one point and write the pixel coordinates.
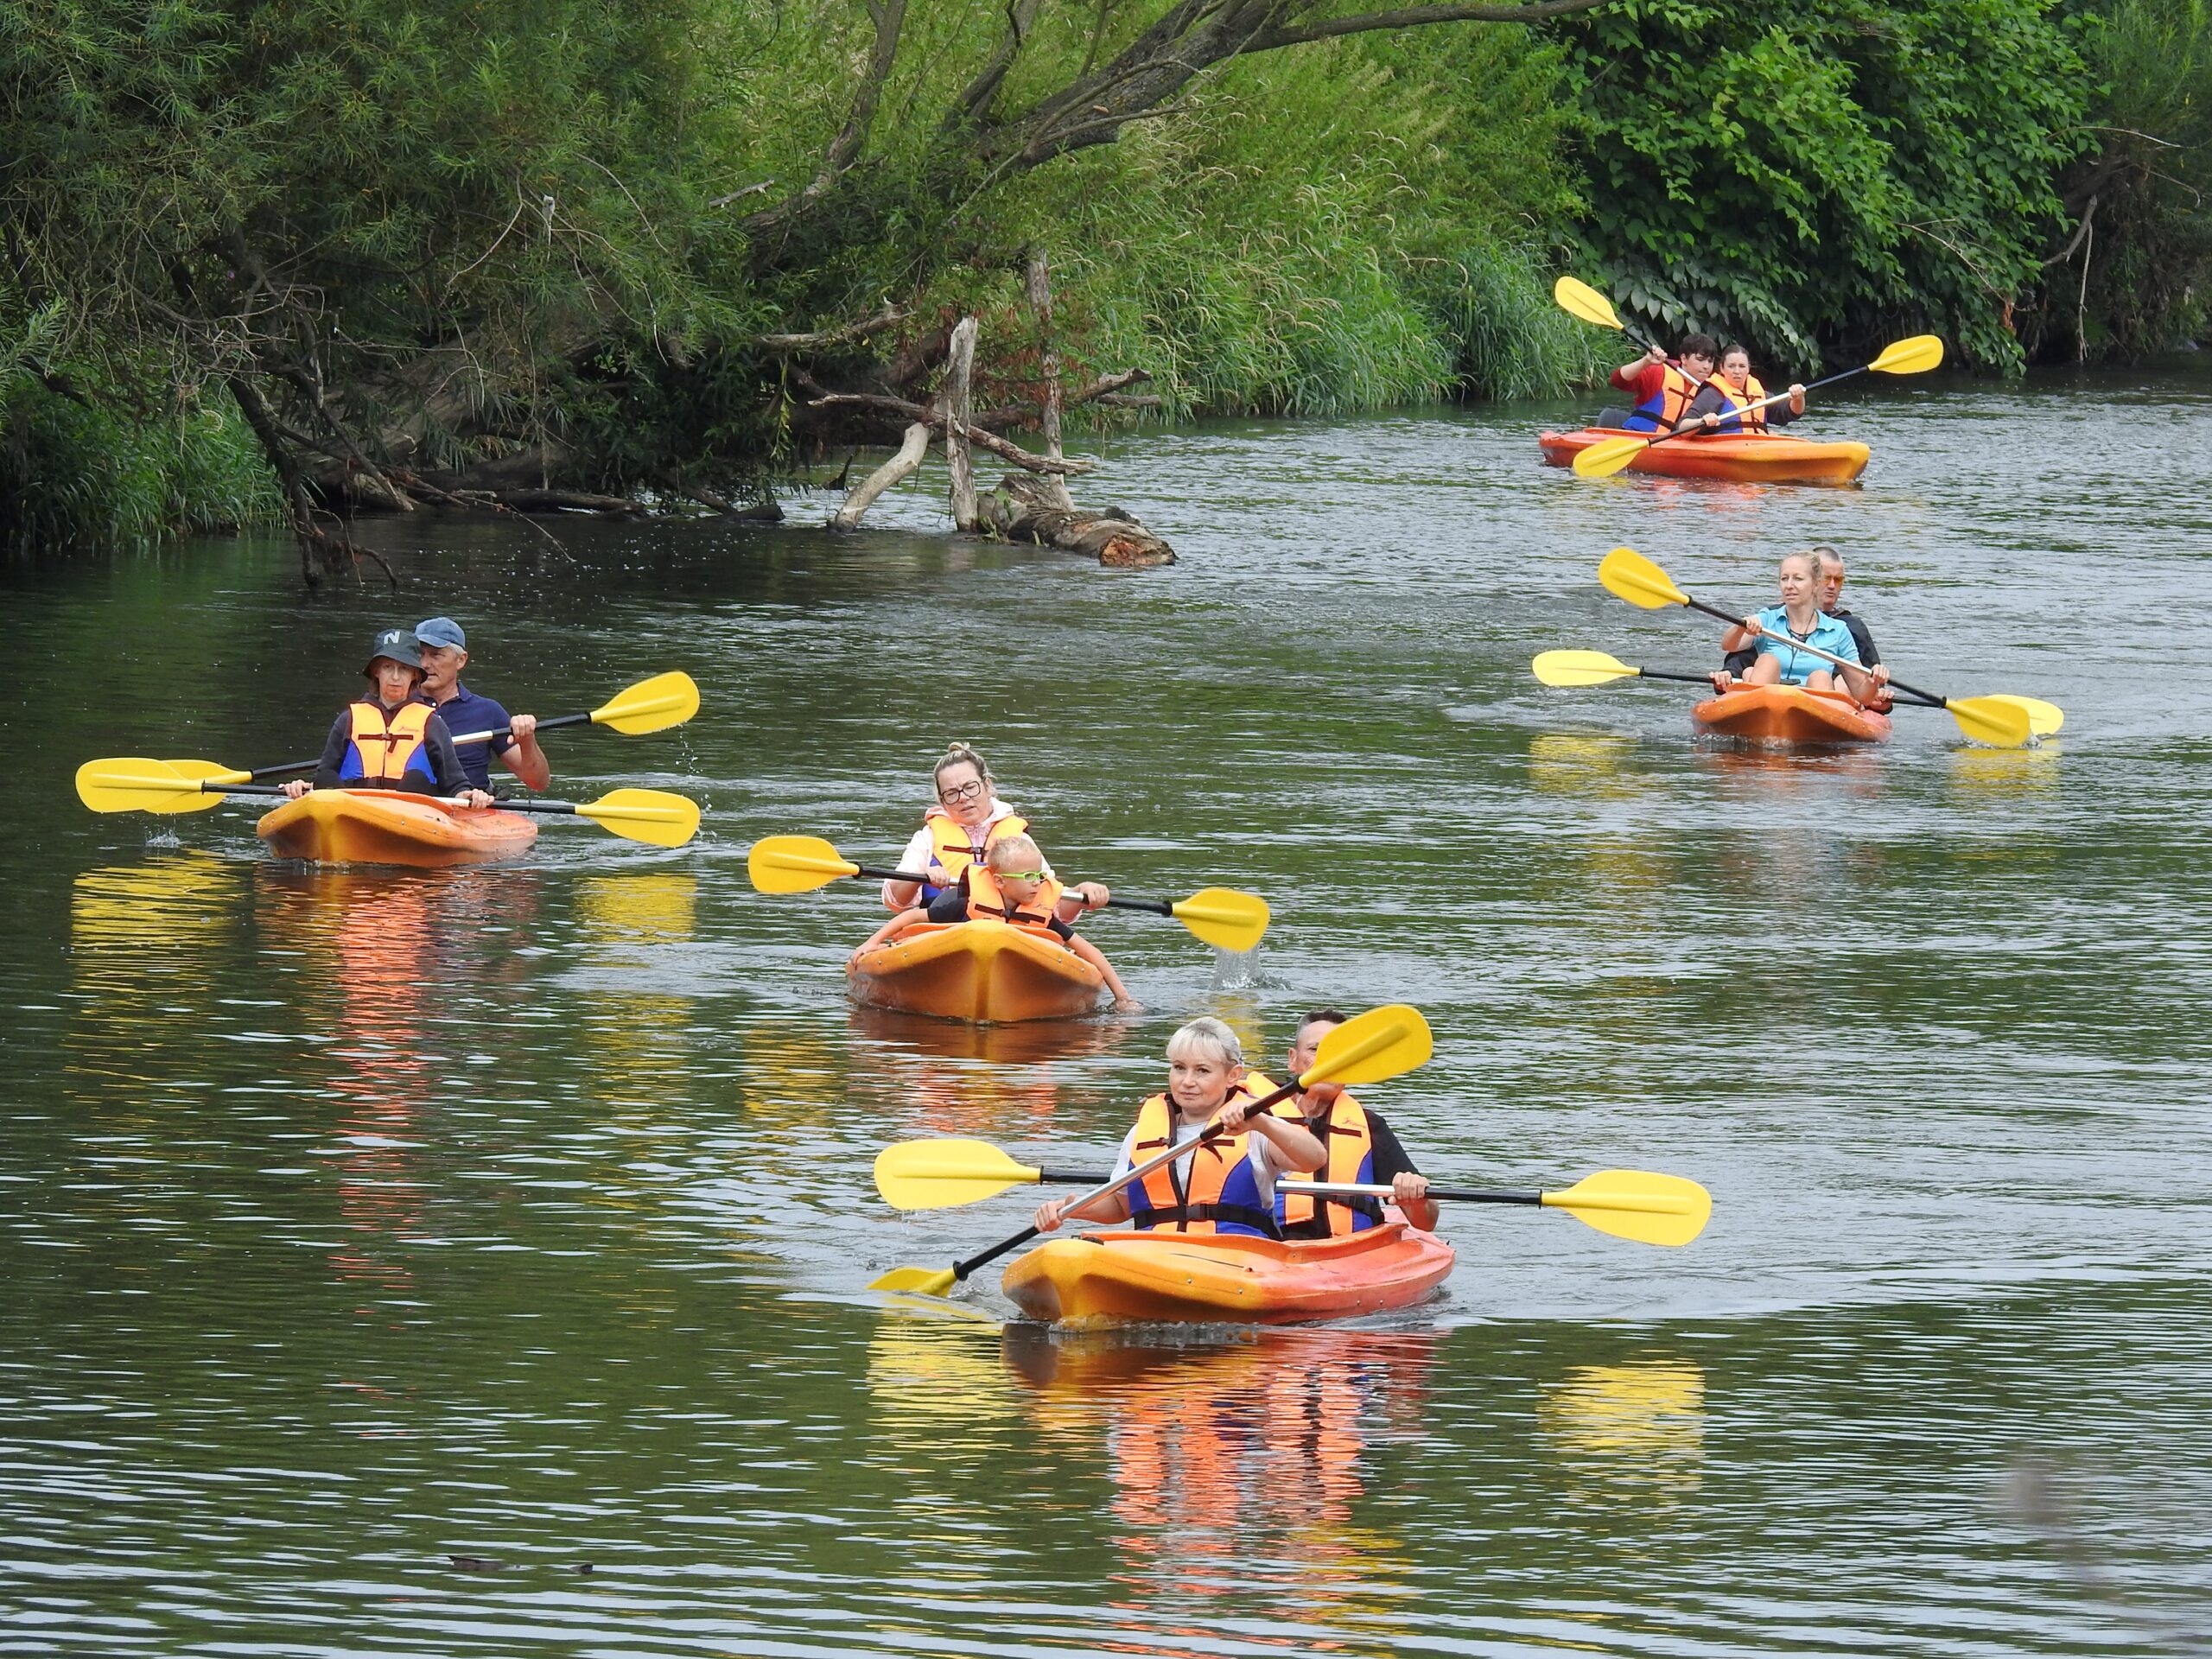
(465, 712)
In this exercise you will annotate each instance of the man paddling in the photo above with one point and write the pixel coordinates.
(1361, 1148)
(445, 653)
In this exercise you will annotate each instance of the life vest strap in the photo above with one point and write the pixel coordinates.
(1179, 1217)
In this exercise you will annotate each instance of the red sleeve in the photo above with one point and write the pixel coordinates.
(1643, 384)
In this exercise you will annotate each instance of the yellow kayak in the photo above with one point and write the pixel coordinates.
(984, 971)
(336, 826)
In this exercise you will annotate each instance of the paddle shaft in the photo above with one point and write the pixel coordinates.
(546, 725)
(555, 807)
(1156, 907)
(1106, 1189)
(1934, 701)
(1369, 1190)
(1764, 403)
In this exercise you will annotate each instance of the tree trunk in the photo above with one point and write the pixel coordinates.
(959, 403)
(900, 465)
(1039, 286)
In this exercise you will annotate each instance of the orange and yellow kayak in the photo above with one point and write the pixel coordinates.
(985, 972)
(1744, 457)
(1205, 1278)
(1789, 714)
(335, 826)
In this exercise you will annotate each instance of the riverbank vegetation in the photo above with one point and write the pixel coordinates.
(355, 255)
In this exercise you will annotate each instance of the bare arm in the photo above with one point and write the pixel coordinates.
(1091, 954)
(523, 756)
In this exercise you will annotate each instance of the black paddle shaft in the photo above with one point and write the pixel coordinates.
(1157, 906)
(1694, 431)
(546, 725)
(554, 807)
(1930, 697)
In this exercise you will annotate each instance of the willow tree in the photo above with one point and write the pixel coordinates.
(434, 255)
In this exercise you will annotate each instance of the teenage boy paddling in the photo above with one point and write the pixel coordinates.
(1361, 1148)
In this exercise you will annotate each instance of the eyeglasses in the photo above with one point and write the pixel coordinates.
(973, 792)
(1019, 875)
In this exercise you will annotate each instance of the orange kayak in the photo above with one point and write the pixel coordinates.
(1745, 457)
(1205, 1278)
(334, 826)
(1789, 714)
(984, 971)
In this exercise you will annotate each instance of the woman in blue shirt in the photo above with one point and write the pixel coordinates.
(1799, 618)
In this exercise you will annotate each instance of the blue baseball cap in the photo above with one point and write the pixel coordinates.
(441, 631)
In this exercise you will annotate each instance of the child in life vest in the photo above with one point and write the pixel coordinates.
(1007, 884)
(1225, 1185)
(390, 740)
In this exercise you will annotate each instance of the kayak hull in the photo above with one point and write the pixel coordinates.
(1747, 457)
(983, 971)
(1205, 1279)
(380, 827)
(1789, 714)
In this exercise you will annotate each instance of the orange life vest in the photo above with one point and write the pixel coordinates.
(1735, 416)
(1672, 401)
(1219, 1191)
(952, 852)
(986, 898)
(1350, 1146)
(383, 748)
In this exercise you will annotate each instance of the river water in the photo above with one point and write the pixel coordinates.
(475, 1263)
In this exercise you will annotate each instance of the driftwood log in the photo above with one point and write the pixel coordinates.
(1032, 505)
(1021, 509)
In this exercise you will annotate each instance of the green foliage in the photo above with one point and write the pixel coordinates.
(1338, 228)
(1817, 172)
(2140, 280)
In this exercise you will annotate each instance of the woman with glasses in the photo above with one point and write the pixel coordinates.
(967, 818)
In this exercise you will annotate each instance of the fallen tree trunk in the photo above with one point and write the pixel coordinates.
(1021, 510)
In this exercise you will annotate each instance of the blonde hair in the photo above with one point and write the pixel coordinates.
(959, 754)
(1004, 853)
(1812, 563)
(1209, 1035)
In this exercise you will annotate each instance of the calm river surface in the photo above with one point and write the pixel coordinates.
(382, 1252)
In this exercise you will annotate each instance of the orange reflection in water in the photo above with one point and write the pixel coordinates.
(382, 954)
(943, 1077)
(1241, 1468)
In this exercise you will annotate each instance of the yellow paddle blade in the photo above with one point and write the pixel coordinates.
(2044, 719)
(1636, 1203)
(1628, 574)
(925, 1281)
(652, 816)
(651, 705)
(1578, 667)
(1585, 302)
(1608, 456)
(133, 785)
(1223, 918)
(939, 1174)
(795, 864)
(1371, 1046)
(207, 771)
(1914, 356)
(1995, 721)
